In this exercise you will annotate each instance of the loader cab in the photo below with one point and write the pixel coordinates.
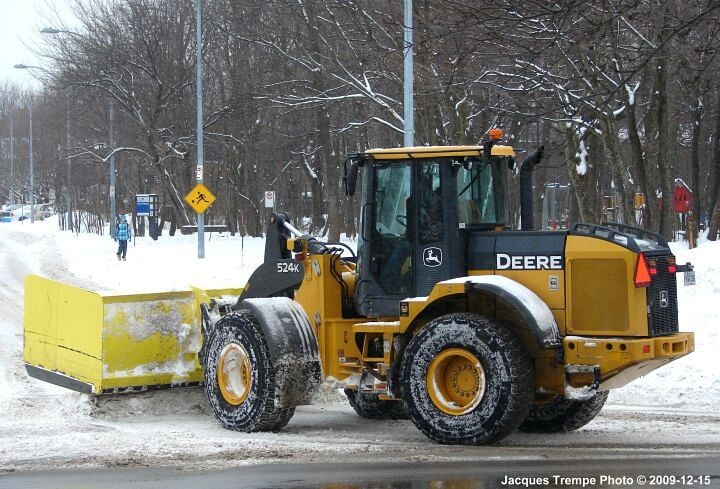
(417, 206)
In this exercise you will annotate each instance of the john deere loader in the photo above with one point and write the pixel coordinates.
(442, 315)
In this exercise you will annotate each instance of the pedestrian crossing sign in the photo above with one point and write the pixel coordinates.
(200, 198)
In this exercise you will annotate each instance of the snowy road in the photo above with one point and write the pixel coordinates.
(601, 472)
(177, 428)
(45, 427)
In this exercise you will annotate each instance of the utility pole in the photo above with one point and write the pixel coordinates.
(68, 197)
(408, 123)
(199, 122)
(12, 164)
(32, 176)
(111, 143)
(21, 66)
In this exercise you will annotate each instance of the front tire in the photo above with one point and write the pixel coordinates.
(466, 380)
(240, 378)
(563, 415)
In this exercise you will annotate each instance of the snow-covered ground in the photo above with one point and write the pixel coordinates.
(43, 426)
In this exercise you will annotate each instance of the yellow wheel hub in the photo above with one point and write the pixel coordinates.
(234, 374)
(456, 381)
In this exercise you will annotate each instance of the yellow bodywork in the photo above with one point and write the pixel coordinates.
(320, 296)
(112, 342)
(437, 152)
(598, 310)
(601, 292)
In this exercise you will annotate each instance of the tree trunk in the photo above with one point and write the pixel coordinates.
(639, 163)
(584, 186)
(663, 163)
(695, 155)
(714, 202)
(619, 170)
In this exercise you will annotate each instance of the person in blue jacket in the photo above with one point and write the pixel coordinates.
(123, 235)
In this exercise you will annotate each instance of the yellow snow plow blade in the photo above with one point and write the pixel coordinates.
(104, 343)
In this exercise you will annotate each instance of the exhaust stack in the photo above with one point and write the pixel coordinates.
(526, 190)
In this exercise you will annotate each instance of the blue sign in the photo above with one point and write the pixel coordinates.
(142, 208)
(146, 205)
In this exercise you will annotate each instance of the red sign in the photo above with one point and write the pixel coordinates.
(682, 199)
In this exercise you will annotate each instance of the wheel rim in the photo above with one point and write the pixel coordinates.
(234, 374)
(456, 381)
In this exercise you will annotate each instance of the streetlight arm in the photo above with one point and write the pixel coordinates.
(54, 30)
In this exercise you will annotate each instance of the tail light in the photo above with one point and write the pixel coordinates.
(643, 272)
(672, 268)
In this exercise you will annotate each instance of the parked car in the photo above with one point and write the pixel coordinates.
(21, 212)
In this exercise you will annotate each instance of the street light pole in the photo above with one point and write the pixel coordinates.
(111, 142)
(199, 122)
(21, 66)
(408, 122)
(12, 164)
(68, 197)
(32, 176)
(68, 191)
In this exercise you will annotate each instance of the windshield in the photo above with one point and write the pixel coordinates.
(481, 194)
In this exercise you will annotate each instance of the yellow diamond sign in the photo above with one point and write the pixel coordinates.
(200, 198)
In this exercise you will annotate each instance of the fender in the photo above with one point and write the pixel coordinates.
(531, 307)
(533, 310)
(293, 348)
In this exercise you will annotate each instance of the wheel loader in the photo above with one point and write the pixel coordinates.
(443, 315)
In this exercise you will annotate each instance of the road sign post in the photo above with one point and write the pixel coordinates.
(148, 205)
(270, 199)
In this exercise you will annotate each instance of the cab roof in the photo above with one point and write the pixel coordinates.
(435, 151)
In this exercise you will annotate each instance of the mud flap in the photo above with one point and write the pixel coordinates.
(293, 348)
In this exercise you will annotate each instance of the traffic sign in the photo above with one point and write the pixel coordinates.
(270, 199)
(200, 198)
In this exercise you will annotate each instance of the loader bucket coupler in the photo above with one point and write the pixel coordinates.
(100, 343)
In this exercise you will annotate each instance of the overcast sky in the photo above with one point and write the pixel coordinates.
(20, 23)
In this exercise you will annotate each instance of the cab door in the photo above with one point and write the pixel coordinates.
(408, 241)
(438, 251)
(385, 247)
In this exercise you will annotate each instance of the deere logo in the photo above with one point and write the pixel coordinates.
(432, 257)
(529, 262)
(664, 300)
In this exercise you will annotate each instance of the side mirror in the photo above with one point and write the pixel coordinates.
(351, 173)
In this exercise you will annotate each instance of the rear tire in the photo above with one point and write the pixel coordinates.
(240, 378)
(466, 380)
(369, 406)
(562, 415)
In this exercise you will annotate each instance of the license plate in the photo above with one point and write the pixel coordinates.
(689, 278)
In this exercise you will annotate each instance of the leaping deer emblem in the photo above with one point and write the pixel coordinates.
(433, 257)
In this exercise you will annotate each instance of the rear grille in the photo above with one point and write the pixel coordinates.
(662, 298)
